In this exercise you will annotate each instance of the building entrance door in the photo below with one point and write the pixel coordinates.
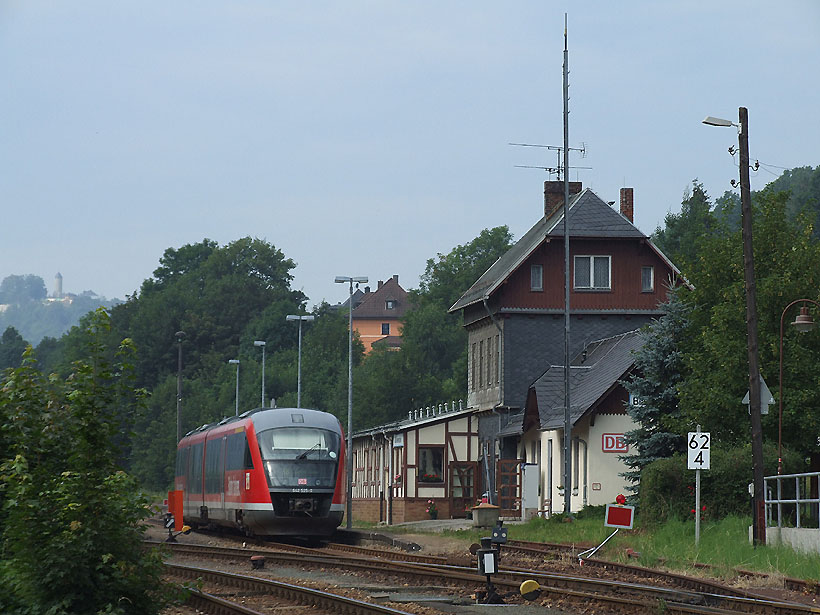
(509, 487)
(462, 487)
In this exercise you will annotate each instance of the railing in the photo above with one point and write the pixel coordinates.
(790, 497)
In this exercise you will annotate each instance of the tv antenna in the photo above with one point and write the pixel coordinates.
(559, 150)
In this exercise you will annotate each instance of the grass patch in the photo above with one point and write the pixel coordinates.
(724, 544)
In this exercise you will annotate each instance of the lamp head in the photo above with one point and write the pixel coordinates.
(716, 121)
(803, 323)
(258, 343)
(233, 361)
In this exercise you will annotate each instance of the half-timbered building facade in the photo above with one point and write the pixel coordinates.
(398, 468)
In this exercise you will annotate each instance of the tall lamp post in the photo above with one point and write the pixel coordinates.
(262, 344)
(236, 362)
(340, 279)
(180, 335)
(803, 323)
(299, 363)
(751, 319)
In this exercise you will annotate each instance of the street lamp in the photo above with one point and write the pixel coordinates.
(340, 279)
(299, 364)
(751, 318)
(261, 343)
(180, 335)
(236, 362)
(803, 323)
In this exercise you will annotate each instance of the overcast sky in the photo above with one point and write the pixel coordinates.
(362, 138)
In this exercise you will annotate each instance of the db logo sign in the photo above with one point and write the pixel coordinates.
(614, 443)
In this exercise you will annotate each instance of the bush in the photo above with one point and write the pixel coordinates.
(668, 488)
(72, 522)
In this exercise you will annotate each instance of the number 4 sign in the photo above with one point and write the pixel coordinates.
(698, 448)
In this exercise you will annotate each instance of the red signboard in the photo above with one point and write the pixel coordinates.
(614, 443)
(175, 501)
(619, 516)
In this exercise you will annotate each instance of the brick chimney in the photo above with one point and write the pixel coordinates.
(627, 204)
(554, 195)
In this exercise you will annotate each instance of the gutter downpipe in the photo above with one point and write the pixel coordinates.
(586, 460)
(500, 376)
(389, 478)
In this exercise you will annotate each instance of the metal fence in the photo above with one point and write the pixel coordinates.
(792, 500)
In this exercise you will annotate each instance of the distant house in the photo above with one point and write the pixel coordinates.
(514, 312)
(377, 317)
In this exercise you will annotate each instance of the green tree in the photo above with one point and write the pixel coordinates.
(683, 232)
(659, 370)
(17, 289)
(431, 366)
(787, 267)
(12, 346)
(71, 522)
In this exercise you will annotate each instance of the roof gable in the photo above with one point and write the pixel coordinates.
(374, 304)
(589, 217)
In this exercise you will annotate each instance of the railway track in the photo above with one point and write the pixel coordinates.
(556, 587)
(678, 580)
(287, 592)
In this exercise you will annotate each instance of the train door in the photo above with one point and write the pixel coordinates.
(194, 494)
(223, 447)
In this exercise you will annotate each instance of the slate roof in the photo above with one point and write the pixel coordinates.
(372, 304)
(607, 361)
(589, 216)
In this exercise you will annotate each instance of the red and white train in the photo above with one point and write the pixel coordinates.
(267, 472)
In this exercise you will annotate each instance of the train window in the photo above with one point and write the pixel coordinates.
(195, 469)
(182, 461)
(301, 442)
(238, 455)
(213, 466)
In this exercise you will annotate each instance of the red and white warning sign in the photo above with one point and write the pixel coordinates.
(619, 516)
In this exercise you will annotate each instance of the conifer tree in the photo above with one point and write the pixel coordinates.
(659, 367)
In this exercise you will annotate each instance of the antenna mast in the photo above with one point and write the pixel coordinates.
(567, 418)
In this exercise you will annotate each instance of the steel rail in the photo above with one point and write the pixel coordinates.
(552, 583)
(285, 591)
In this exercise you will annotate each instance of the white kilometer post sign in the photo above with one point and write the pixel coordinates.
(698, 449)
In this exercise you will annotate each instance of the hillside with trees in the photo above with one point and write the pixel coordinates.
(25, 307)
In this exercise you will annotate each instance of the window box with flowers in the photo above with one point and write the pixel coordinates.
(430, 478)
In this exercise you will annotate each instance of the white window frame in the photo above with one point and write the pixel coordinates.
(651, 280)
(591, 271)
(540, 286)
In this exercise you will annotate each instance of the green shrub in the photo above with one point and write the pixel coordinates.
(668, 488)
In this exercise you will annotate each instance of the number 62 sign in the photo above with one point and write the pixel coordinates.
(698, 447)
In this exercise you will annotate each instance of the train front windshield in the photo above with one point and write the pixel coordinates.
(300, 457)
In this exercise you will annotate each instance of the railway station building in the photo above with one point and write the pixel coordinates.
(507, 439)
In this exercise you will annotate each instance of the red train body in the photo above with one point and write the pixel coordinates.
(267, 472)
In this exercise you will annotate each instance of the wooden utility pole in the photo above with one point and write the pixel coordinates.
(759, 531)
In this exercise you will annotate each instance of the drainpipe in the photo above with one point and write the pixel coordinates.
(389, 441)
(500, 376)
(584, 477)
